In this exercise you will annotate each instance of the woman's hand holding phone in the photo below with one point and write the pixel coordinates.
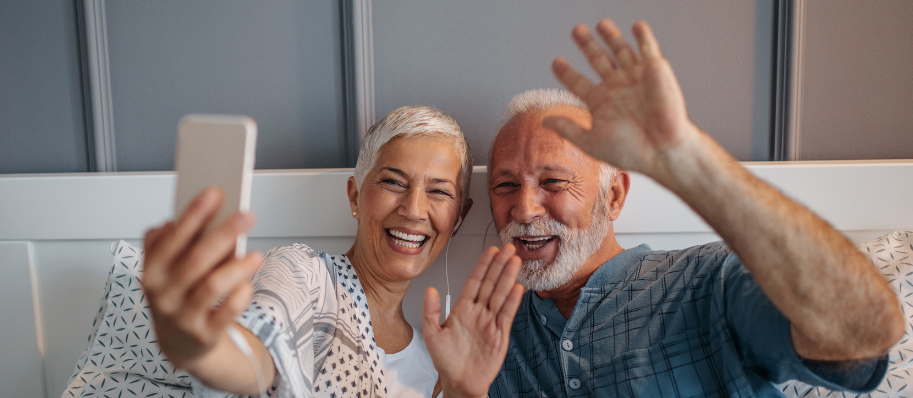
(188, 272)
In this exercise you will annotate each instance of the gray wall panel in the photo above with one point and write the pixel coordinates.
(41, 104)
(279, 62)
(857, 93)
(470, 57)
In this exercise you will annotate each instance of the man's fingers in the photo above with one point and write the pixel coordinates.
(567, 128)
(505, 317)
(431, 312)
(649, 48)
(505, 282)
(624, 54)
(494, 272)
(570, 78)
(471, 289)
(593, 51)
(210, 250)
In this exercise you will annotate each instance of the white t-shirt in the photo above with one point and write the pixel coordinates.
(410, 372)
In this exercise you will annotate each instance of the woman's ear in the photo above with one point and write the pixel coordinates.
(462, 217)
(620, 187)
(352, 193)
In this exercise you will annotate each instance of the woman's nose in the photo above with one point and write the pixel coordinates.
(528, 206)
(415, 205)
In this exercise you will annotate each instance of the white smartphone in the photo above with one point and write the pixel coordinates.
(216, 151)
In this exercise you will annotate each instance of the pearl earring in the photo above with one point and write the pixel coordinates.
(354, 213)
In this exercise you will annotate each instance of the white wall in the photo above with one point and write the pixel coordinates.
(56, 232)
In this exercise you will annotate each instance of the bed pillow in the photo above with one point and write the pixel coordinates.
(892, 255)
(122, 358)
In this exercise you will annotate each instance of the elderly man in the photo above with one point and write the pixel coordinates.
(786, 296)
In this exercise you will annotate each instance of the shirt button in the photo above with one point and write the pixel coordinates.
(567, 345)
(573, 384)
(542, 319)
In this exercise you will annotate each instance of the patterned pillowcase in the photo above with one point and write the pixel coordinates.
(892, 255)
(122, 358)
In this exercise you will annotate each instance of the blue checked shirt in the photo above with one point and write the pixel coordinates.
(689, 323)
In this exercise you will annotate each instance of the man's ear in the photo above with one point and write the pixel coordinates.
(352, 193)
(620, 187)
(462, 217)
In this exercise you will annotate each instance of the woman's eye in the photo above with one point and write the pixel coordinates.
(441, 192)
(391, 182)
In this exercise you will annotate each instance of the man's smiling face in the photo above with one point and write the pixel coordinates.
(546, 198)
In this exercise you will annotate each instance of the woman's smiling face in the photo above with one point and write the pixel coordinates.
(407, 206)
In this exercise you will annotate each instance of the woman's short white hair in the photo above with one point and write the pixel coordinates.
(538, 100)
(414, 121)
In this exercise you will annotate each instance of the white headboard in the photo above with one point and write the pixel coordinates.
(56, 230)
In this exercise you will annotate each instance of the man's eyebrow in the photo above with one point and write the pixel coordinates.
(502, 173)
(559, 167)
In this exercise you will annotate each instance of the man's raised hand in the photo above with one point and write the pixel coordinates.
(638, 111)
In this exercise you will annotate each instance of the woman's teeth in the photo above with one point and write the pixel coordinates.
(407, 240)
(535, 243)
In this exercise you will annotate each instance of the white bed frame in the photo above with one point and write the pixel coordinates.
(56, 230)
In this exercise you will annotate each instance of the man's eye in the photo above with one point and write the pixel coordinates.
(505, 188)
(554, 183)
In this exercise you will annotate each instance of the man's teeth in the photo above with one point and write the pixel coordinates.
(539, 242)
(407, 240)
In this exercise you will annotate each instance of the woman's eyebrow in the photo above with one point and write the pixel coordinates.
(394, 171)
(442, 181)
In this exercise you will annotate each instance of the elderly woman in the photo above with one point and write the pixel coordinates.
(315, 324)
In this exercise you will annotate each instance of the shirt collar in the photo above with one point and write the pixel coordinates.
(547, 313)
(616, 268)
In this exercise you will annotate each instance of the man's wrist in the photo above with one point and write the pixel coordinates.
(688, 162)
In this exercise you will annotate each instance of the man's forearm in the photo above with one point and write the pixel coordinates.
(838, 305)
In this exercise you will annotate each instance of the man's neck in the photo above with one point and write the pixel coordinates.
(565, 296)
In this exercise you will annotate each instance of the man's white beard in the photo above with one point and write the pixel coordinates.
(575, 246)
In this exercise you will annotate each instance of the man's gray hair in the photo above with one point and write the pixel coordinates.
(419, 121)
(539, 100)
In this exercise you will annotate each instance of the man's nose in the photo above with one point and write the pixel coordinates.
(528, 206)
(414, 205)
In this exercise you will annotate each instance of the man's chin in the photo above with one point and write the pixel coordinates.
(539, 275)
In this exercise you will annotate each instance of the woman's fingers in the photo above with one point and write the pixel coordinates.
(624, 54)
(431, 313)
(471, 289)
(494, 272)
(210, 250)
(570, 78)
(649, 48)
(505, 282)
(154, 273)
(594, 52)
(181, 234)
(236, 302)
(218, 285)
(505, 317)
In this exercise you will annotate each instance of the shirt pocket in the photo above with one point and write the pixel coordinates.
(680, 365)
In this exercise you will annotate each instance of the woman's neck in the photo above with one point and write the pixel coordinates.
(385, 303)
